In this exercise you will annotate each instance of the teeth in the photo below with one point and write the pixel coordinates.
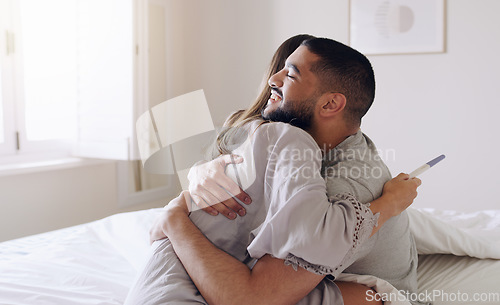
(275, 97)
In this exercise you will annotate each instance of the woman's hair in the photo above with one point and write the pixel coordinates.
(236, 120)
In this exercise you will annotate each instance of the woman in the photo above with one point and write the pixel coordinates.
(279, 202)
(209, 200)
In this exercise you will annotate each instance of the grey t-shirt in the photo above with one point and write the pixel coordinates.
(355, 167)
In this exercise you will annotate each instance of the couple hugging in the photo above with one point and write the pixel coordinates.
(308, 208)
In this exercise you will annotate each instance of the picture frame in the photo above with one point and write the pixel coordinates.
(379, 27)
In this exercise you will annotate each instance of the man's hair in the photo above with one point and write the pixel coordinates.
(344, 70)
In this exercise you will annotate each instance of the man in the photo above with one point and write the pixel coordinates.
(306, 94)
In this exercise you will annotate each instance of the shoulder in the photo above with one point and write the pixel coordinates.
(282, 142)
(284, 133)
(356, 167)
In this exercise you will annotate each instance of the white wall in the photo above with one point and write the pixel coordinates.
(48, 200)
(225, 46)
(448, 103)
(425, 105)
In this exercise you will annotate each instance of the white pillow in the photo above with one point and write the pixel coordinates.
(450, 232)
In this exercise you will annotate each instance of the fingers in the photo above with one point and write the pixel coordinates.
(227, 200)
(233, 188)
(206, 193)
(213, 191)
(417, 181)
(218, 193)
(232, 204)
(243, 197)
(224, 210)
(219, 207)
(214, 205)
(403, 176)
(203, 205)
(228, 208)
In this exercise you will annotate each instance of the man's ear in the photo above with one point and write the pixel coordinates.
(332, 104)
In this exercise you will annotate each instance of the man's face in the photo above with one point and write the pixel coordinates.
(294, 91)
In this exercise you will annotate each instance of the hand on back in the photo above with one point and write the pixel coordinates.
(213, 191)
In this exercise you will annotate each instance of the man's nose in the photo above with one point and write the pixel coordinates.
(276, 81)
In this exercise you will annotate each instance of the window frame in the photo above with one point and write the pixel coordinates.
(17, 148)
(8, 146)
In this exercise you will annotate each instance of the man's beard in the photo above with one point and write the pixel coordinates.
(301, 118)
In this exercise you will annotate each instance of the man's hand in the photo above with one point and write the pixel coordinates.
(209, 187)
(401, 191)
(177, 205)
(397, 196)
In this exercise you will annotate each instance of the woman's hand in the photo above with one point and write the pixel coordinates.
(209, 187)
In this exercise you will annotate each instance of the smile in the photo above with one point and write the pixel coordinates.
(275, 97)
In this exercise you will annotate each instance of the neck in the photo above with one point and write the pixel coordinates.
(331, 135)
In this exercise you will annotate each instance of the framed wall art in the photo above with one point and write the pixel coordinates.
(397, 26)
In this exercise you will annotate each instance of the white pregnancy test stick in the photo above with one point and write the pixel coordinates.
(426, 166)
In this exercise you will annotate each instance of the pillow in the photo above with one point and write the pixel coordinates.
(450, 232)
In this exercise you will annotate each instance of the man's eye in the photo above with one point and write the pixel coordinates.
(288, 75)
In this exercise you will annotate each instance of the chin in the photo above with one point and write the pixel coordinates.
(268, 110)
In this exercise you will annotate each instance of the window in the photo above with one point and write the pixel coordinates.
(67, 77)
(73, 80)
(49, 58)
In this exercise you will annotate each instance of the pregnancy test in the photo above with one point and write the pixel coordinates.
(426, 166)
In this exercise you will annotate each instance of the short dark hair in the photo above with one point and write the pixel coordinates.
(345, 70)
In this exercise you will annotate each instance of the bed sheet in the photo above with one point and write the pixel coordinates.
(94, 263)
(459, 280)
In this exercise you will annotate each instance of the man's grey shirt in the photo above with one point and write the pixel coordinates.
(355, 167)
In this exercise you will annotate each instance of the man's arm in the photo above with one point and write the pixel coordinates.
(221, 278)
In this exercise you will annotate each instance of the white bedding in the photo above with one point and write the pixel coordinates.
(96, 263)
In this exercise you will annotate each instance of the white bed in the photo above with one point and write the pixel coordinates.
(95, 263)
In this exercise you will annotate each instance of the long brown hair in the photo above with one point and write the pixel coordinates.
(254, 112)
